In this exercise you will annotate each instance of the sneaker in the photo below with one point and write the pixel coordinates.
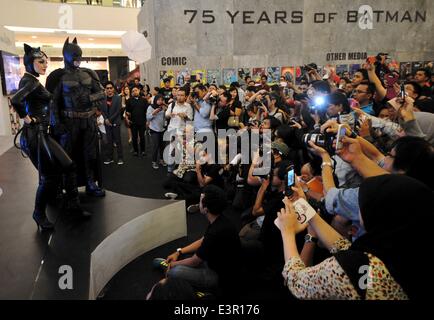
(164, 164)
(108, 161)
(171, 195)
(194, 208)
(160, 263)
(120, 162)
(136, 154)
(155, 166)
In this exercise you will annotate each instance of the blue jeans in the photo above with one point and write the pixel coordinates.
(199, 277)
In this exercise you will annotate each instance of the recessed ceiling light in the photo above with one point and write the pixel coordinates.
(34, 37)
(91, 39)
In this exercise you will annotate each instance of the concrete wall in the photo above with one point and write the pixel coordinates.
(272, 43)
(7, 43)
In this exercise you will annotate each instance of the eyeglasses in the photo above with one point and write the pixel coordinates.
(109, 88)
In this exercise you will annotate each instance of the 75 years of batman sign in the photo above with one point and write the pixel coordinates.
(365, 16)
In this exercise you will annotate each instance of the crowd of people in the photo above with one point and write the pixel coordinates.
(372, 193)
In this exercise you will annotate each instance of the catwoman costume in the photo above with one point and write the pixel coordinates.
(32, 100)
(77, 93)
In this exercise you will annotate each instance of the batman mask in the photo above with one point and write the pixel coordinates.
(30, 55)
(72, 54)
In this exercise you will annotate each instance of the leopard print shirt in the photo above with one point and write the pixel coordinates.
(328, 280)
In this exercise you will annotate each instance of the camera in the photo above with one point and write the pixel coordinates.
(321, 140)
(214, 99)
(194, 95)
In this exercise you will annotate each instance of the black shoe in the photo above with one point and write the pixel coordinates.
(143, 154)
(73, 207)
(93, 190)
(136, 154)
(42, 221)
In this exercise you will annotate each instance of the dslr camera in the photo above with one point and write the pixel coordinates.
(214, 99)
(323, 140)
(194, 95)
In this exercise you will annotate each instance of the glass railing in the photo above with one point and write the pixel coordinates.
(104, 3)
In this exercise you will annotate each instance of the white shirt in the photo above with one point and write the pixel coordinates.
(177, 123)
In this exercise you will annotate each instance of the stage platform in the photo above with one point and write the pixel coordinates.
(121, 229)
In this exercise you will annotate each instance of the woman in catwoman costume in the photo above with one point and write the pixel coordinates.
(31, 102)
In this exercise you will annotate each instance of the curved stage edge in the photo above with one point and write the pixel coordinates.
(121, 229)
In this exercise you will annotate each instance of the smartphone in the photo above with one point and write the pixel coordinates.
(340, 136)
(290, 181)
(402, 91)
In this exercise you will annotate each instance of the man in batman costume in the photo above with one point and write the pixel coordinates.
(31, 102)
(77, 94)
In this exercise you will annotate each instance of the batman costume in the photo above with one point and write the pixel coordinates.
(77, 93)
(31, 102)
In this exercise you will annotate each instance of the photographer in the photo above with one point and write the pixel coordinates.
(155, 117)
(390, 231)
(339, 109)
(263, 84)
(202, 109)
(220, 111)
(403, 118)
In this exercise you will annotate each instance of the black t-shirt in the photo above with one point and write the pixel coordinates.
(270, 234)
(137, 107)
(214, 171)
(221, 248)
(223, 115)
(426, 91)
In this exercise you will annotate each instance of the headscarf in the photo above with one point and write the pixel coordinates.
(397, 213)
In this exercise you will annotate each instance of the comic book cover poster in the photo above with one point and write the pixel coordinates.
(404, 69)
(214, 76)
(429, 65)
(354, 68)
(257, 73)
(287, 73)
(341, 68)
(416, 65)
(273, 74)
(301, 76)
(164, 74)
(321, 71)
(183, 77)
(242, 74)
(200, 75)
(229, 76)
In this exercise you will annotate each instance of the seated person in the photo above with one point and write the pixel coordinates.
(390, 231)
(214, 260)
(172, 290)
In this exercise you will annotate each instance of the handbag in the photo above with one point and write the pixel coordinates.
(234, 121)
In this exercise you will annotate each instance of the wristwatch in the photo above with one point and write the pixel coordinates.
(326, 164)
(309, 238)
(179, 250)
(306, 189)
